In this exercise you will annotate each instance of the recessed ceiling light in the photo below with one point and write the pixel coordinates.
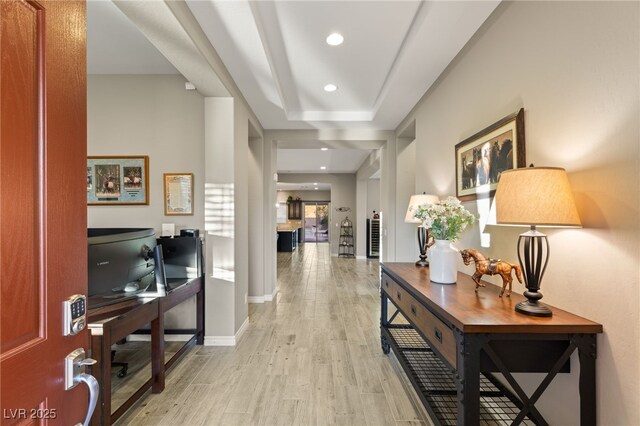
(324, 149)
(323, 168)
(315, 189)
(335, 39)
(330, 88)
(315, 183)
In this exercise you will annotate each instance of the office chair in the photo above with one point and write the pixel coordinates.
(124, 366)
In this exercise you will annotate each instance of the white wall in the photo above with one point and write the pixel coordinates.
(368, 197)
(373, 197)
(241, 145)
(405, 188)
(149, 115)
(229, 161)
(256, 216)
(343, 194)
(574, 67)
(220, 222)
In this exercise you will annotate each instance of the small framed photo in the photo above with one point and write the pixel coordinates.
(481, 158)
(178, 194)
(117, 180)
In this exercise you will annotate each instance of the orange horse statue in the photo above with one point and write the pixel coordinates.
(486, 266)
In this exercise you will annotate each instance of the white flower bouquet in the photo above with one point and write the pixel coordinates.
(446, 218)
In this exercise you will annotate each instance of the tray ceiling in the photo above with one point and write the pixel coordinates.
(392, 52)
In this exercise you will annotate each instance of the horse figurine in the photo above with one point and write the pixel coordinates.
(486, 266)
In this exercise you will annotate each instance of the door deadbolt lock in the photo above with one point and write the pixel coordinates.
(75, 314)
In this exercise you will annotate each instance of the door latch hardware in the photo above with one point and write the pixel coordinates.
(74, 365)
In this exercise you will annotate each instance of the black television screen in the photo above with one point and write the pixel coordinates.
(120, 263)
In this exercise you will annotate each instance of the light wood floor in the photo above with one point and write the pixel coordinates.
(311, 357)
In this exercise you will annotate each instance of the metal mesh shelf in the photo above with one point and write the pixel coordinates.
(434, 382)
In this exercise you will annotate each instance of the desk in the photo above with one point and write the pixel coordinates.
(456, 339)
(112, 323)
(104, 333)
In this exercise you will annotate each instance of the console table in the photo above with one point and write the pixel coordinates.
(454, 339)
(112, 323)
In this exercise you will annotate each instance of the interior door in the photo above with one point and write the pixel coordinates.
(43, 258)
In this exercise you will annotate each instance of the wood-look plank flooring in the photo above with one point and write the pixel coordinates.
(310, 357)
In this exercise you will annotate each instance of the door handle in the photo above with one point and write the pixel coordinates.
(94, 390)
(74, 374)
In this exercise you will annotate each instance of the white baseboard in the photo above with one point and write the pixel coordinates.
(227, 340)
(270, 297)
(242, 329)
(167, 337)
(265, 298)
(219, 340)
(361, 257)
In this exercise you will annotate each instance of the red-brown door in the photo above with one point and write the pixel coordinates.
(43, 242)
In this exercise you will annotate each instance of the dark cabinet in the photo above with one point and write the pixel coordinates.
(287, 240)
(295, 210)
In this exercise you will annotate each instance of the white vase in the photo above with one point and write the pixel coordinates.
(443, 259)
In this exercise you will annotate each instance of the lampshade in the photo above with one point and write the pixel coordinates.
(418, 200)
(539, 196)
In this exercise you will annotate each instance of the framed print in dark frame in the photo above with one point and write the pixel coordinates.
(481, 158)
(117, 180)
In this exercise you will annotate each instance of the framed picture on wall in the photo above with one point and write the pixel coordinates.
(178, 194)
(117, 180)
(481, 158)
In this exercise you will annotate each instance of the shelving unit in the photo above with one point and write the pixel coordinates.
(345, 244)
(436, 385)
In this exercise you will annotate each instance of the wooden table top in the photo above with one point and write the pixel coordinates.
(482, 312)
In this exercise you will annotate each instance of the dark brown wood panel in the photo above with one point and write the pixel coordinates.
(482, 312)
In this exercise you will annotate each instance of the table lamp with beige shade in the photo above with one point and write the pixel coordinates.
(423, 233)
(535, 197)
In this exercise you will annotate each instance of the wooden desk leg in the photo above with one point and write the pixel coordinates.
(200, 315)
(384, 321)
(101, 370)
(468, 379)
(157, 353)
(587, 353)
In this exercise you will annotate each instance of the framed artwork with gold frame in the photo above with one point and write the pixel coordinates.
(117, 180)
(178, 194)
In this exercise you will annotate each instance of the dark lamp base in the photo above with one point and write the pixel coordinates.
(534, 309)
(422, 263)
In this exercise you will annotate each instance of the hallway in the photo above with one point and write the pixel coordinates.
(312, 356)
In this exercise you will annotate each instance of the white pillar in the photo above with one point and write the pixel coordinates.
(219, 220)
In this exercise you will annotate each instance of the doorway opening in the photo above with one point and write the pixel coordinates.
(316, 222)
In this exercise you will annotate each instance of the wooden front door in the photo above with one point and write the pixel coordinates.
(43, 254)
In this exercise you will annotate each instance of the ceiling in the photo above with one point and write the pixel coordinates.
(308, 186)
(392, 52)
(311, 160)
(116, 46)
(276, 53)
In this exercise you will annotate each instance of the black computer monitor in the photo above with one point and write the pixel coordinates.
(182, 259)
(120, 263)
